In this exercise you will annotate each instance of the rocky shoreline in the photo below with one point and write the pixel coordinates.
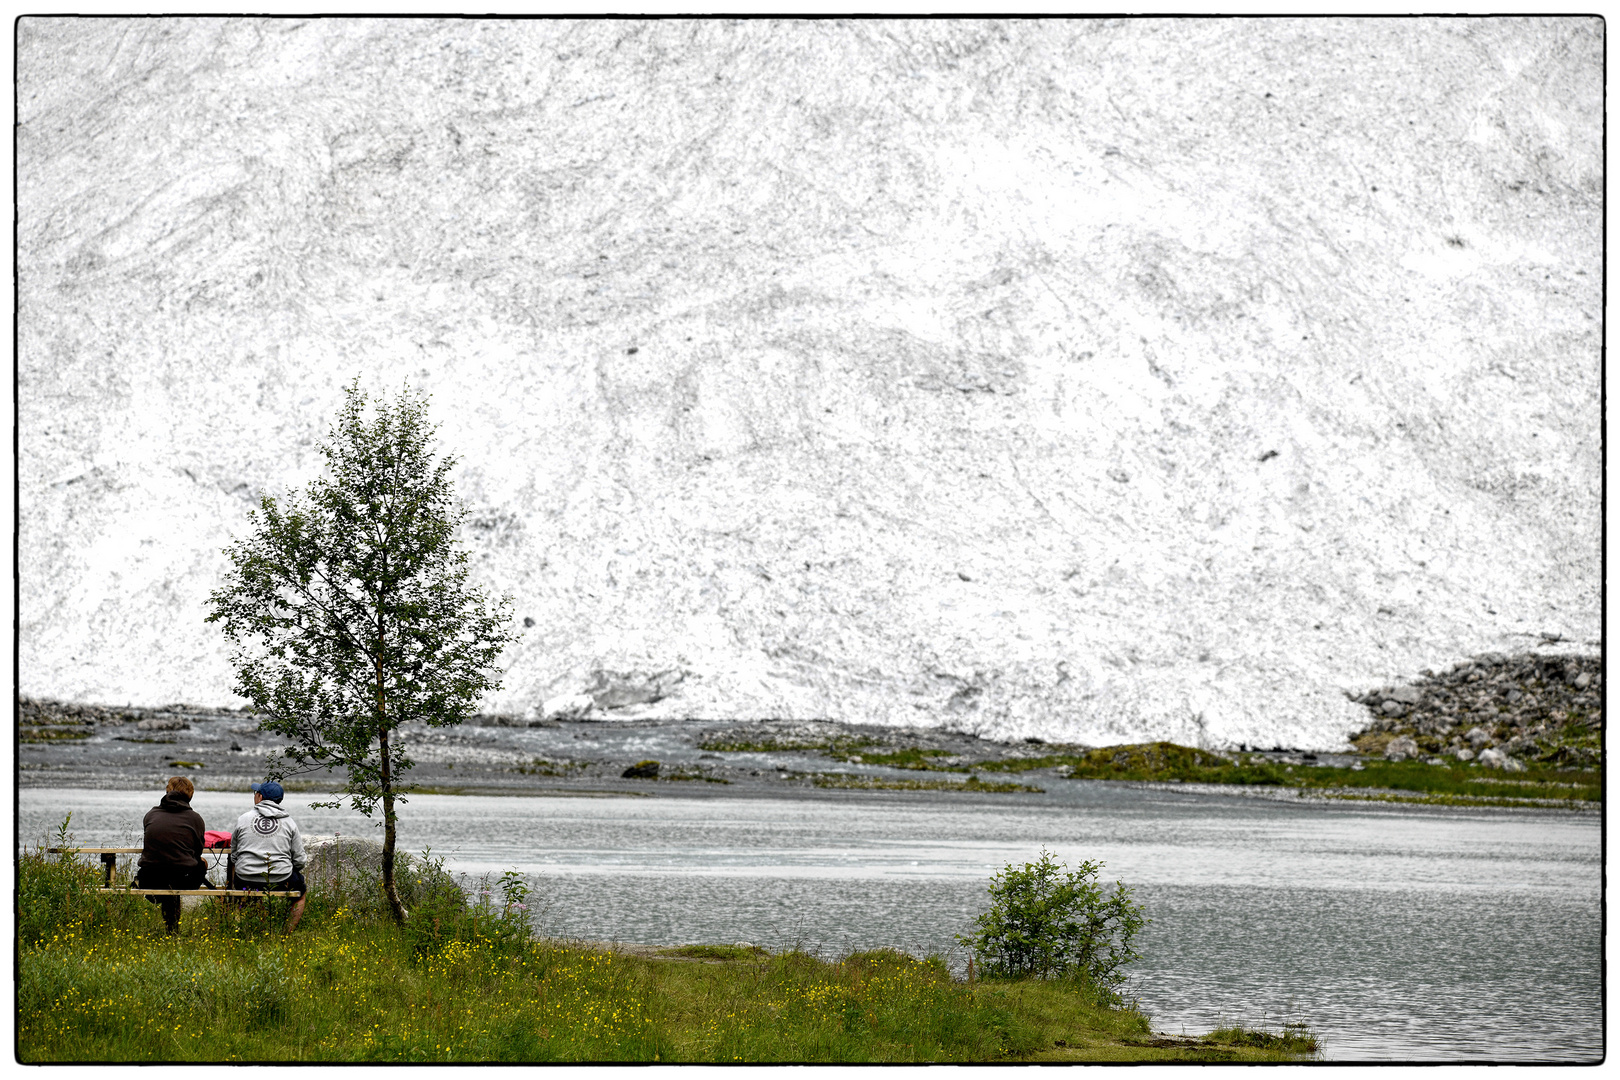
(1504, 711)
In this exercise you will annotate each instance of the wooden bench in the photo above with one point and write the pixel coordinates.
(109, 860)
(200, 892)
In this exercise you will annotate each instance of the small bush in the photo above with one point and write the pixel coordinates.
(1048, 922)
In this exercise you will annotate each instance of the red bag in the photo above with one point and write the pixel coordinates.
(215, 838)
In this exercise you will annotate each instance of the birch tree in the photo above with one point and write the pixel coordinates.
(349, 612)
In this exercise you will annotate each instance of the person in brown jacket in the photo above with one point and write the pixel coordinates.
(171, 849)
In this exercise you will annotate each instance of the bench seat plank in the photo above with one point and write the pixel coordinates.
(200, 892)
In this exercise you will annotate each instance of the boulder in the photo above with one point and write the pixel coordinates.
(1478, 736)
(354, 858)
(1521, 744)
(641, 770)
(568, 707)
(1465, 755)
(1493, 758)
(159, 723)
(1406, 695)
(1394, 708)
(616, 689)
(1400, 748)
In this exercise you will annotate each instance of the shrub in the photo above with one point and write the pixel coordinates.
(1049, 922)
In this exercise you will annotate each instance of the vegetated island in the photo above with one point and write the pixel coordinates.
(465, 980)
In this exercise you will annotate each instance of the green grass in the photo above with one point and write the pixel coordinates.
(682, 774)
(98, 981)
(715, 952)
(1442, 800)
(1293, 1040)
(1145, 761)
(546, 767)
(909, 758)
(855, 782)
(1164, 761)
(1457, 780)
(1453, 783)
(840, 745)
(52, 734)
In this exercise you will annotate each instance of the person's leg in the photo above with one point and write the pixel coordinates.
(296, 882)
(158, 877)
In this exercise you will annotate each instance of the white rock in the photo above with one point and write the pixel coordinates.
(1493, 758)
(568, 707)
(1478, 736)
(1400, 748)
(1465, 755)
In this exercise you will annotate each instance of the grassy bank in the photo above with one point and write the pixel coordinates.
(1452, 782)
(100, 982)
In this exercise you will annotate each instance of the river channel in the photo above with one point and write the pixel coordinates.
(1395, 933)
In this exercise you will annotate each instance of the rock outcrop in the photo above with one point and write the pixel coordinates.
(617, 689)
(568, 707)
(1500, 709)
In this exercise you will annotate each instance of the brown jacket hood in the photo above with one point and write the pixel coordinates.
(173, 834)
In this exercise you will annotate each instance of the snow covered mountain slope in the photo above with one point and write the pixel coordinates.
(1089, 380)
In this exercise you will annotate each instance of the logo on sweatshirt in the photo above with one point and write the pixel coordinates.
(266, 825)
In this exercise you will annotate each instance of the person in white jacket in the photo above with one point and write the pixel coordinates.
(267, 849)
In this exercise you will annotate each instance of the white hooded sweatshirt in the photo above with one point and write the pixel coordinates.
(266, 845)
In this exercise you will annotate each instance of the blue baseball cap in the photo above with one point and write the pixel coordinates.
(269, 789)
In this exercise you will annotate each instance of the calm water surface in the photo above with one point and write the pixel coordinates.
(1414, 933)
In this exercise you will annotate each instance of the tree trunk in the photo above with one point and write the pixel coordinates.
(387, 777)
(389, 888)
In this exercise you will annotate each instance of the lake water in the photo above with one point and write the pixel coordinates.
(1410, 933)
